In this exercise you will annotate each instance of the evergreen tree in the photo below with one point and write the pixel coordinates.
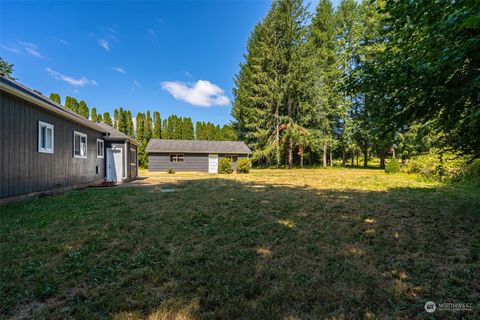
(115, 118)
(148, 128)
(122, 121)
(6, 69)
(272, 87)
(71, 104)
(107, 119)
(55, 97)
(140, 126)
(94, 115)
(99, 118)
(83, 109)
(157, 125)
(188, 132)
(130, 123)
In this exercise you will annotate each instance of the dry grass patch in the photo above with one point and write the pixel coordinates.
(274, 244)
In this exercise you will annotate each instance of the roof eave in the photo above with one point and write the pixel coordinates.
(46, 106)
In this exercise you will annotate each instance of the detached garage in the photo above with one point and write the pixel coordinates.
(193, 155)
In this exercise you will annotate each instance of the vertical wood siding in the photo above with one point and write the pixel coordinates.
(23, 169)
(160, 162)
(192, 162)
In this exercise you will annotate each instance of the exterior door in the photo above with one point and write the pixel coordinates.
(114, 164)
(213, 163)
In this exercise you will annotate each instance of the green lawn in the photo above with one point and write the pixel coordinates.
(275, 244)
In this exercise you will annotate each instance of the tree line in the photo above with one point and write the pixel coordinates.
(365, 78)
(147, 127)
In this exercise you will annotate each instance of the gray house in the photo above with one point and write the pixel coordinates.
(193, 155)
(47, 148)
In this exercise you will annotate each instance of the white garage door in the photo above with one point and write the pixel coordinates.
(213, 163)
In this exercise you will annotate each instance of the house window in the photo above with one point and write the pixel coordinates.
(100, 149)
(176, 158)
(133, 157)
(45, 137)
(79, 145)
(233, 158)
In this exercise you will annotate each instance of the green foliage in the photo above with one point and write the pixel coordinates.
(55, 97)
(107, 119)
(171, 171)
(83, 109)
(210, 131)
(71, 104)
(6, 69)
(157, 125)
(115, 118)
(438, 165)
(430, 51)
(94, 116)
(99, 118)
(244, 165)
(225, 165)
(392, 166)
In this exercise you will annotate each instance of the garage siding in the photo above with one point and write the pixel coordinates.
(160, 162)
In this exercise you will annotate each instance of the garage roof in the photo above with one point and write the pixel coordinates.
(114, 134)
(197, 146)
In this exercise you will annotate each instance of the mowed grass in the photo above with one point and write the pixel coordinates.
(274, 244)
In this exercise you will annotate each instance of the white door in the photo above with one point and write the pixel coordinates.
(114, 164)
(213, 163)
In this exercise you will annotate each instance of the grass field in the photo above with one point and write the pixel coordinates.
(274, 244)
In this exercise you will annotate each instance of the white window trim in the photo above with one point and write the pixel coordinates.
(86, 142)
(135, 163)
(50, 126)
(103, 149)
(176, 157)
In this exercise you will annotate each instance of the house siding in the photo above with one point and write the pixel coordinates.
(192, 162)
(23, 169)
(131, 170)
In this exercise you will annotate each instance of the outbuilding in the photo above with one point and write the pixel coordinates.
(46, 148)
(193, 155)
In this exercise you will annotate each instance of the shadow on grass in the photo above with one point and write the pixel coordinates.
(218, 248)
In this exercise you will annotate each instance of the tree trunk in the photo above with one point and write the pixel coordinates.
(353, 159)
(301, 160)
(324, 155)
(277, 136)
(331, 158)
(365, 157)
(356, 154)
(382, 159)
(344, 159)
(290, 154)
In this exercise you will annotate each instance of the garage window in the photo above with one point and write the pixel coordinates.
(176, 158)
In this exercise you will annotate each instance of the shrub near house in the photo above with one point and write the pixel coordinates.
(225, 165)
(244, 165)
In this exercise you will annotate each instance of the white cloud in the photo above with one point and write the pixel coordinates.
(135, 82)
(31, 49)
(202, 93)
(11, 49)
(119, 69)
(74, 82)
(104, 44)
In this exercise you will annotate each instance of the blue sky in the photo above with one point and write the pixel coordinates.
(173, 57)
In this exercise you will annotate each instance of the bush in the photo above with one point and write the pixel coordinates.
(225, 165)
(429, 166)
(392, 166)
(171, 171)
(473, 171)
(244, 165)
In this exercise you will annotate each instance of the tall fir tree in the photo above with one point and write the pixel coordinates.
(115, 118)
(94, 116)
(71, 104)
(148, 127)
(83, 109)
(157, 125)
(107, 119)
(55, 97)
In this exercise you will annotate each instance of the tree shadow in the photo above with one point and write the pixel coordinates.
(220, 248)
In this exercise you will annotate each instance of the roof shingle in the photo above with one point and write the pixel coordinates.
(197, 146)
